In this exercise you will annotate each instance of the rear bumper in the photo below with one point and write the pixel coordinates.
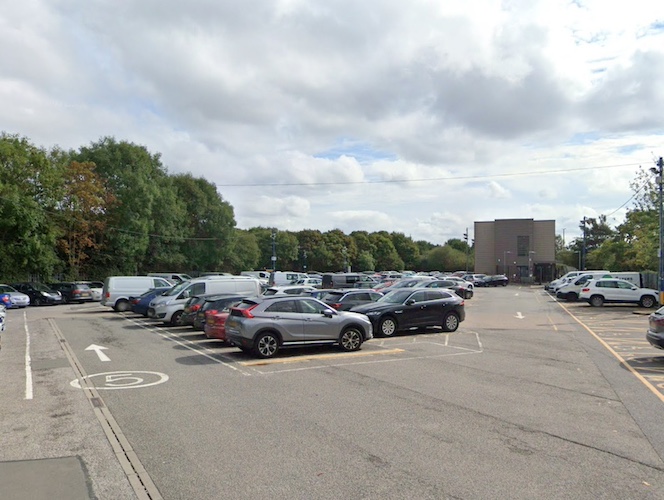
(655, 339)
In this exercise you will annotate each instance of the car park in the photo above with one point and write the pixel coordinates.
(347, 280)
(655, 335)
(611, 290)
(17, 299)
(264, 325)
(191, 308)
(414, 308)
(73, 291)
(39, 293)
(344, 300)
(570, 291)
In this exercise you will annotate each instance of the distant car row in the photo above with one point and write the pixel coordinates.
(24, 294)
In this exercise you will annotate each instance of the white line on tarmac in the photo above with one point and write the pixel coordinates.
(28, 360)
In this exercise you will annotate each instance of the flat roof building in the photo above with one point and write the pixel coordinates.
(522, 249)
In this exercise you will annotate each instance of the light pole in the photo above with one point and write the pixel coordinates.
(660, 275)
(274, 250)
(505, 252)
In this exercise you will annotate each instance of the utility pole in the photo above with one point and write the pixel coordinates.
(274, 250)
(660, 275)
(465, 238)
(583, 250)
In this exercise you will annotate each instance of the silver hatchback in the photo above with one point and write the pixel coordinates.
(265, 324)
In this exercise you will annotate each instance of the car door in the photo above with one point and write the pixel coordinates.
(627, 291)
(416, 311)
(286, 316)
(609, 290)
(320, 321)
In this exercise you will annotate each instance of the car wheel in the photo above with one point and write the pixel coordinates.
(647, 301)
(266, 345)
(450, 322)
(176, 318)
(387, 327)
(597, 301)
(122, 306)
(350, 339)
(468, 295)
(572, 297)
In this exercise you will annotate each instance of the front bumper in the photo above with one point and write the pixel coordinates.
(655, 339)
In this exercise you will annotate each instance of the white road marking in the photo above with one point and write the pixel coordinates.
(28, 359)
(519, 315)
(98, 349)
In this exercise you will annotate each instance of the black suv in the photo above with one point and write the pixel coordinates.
(39, 293)
(73, 291)
(408, 308)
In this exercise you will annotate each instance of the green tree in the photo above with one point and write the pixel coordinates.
(312, 242)
(387, 257)
(407, 249)
(245, 254)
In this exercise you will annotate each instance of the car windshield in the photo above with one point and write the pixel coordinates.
(177, 289)
(395, 297)
(6, 289)
(40, 287)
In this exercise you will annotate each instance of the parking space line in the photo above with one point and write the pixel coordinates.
(634, 372)
(298, 359)
(28, 359)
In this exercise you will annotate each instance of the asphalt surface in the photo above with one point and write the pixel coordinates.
(528, 399)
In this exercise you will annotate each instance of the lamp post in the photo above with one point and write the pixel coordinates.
(505, 262)
(660, 275)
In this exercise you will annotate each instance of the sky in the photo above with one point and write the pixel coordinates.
(418, 117)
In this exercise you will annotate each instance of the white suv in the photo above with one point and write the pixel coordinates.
(610, 290)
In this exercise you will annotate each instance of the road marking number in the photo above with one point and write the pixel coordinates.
(122, 380)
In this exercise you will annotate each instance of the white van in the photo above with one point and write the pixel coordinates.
(118, 289)
(170, 306)
(280, 278)
(174, 277)
(569, 277)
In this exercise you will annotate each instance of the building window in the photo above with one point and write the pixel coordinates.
(522, 245)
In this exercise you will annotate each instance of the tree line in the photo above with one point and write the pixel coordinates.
(112, 208)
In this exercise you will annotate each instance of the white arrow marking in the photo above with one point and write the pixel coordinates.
(98, 349)
(519, 315)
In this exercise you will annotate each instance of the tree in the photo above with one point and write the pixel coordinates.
(408, 251)
(245, 254)
(387, 257)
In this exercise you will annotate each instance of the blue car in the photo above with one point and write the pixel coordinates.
(6, 300)
(140, 304)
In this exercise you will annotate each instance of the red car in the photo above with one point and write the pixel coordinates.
(216, 312)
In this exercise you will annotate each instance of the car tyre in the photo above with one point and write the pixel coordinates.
(387, 327)
(176, 318)
(266, 345)
(597, 301)
(572, 297)
(450, 322)
(350, 339)
(122, 306)
(648, 301)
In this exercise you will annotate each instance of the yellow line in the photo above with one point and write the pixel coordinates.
(645, 381)
(298, 359)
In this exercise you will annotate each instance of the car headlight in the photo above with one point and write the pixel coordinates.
(45, 294)
(373, 313)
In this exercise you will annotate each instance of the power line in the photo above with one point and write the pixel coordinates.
(430, 179)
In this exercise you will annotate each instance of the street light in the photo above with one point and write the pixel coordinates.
(660, 275)
(505, 261)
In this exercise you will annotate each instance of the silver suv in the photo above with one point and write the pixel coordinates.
(266, 324)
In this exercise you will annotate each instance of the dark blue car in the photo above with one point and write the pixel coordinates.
(139, 305)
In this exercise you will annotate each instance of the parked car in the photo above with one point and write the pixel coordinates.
(290, 290)
(315, 282)
(414, 308)
(215, 315)
(18, 299)
(6, 302)
(40, 294)
(214, 303)
(467, 284)
(97, 288)
(118, 289)
(475, 278)
(494, 280)
(570, 290)
(266, 324)
(611, 290)
(190, 310)
(460, 290)
(73, 291)
(655, 333)
(3, 314)
(344, 300)
(140, 304)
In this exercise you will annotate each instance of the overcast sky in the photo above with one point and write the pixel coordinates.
(420, 117)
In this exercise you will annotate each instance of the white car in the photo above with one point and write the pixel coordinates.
(291, 290)
(611, 290)
(19, 299)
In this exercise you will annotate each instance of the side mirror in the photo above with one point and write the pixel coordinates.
(328, 313)
(410, 302)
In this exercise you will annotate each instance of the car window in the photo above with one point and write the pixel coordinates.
(313, 307)
(419, 296)
(607, 284)
(283, 306)
(624, 285)
(293, 291)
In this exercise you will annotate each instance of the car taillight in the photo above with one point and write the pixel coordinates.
(195, 307)
(108, 295)
(210, 312)
(585, 289)
(76, 292)
(135, 301)
(247, 312)
(336, 306)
